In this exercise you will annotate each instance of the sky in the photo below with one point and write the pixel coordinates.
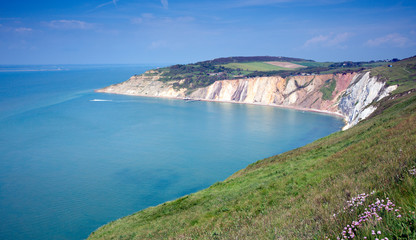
(187, 31)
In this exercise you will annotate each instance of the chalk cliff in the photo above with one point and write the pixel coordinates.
(355, 105)
(349, 95)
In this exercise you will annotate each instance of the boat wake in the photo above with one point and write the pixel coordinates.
(100, 100)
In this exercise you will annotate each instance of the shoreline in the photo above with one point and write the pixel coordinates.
(326, 112)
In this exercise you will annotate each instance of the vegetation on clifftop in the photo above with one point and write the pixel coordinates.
(402, 73)
(357, 183)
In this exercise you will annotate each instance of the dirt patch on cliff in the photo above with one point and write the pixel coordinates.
(286, 64)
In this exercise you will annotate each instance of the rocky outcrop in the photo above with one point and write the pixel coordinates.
(348, 95)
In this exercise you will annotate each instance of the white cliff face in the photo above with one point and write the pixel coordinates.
(355, 105)
(351, 98)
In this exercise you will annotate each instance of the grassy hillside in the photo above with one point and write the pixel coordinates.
(402, 73)
(312, 192)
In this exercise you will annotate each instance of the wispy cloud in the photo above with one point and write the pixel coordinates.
(148, 18)
(23, 30)
(114, 2)
(394, 39)
(165, 4)
(69, 24)
(253, 3)
(331, 40)
(10, 29)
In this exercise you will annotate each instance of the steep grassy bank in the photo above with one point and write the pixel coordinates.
(296, 194)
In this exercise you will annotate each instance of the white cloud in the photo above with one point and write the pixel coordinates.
(330, 40)
(165, 4)
(23, 30)
(316, 40)
(69, 24)
(394, 39)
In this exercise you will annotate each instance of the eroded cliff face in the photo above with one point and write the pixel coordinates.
(297, 91)
(355, 104)
(348, 95)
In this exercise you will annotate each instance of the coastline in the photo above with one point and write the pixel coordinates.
(334, 114)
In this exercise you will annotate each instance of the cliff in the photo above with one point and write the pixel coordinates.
(349, 95)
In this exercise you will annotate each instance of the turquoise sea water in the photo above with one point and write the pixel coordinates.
(69, 164)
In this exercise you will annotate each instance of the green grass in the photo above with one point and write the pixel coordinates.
(314, 64)
(255, 66)
(295, 194)
(327, 89)
(402, 73)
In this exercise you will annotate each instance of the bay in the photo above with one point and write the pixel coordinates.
(72, 160)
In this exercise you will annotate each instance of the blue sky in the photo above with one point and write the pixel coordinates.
(185, 31)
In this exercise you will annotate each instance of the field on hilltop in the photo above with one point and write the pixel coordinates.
(356, 183)
(256, 66)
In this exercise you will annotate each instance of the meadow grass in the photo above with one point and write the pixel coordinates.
(306, 193)
(402, 73)
(313, 64)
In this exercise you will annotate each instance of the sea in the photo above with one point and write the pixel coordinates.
(72, 160)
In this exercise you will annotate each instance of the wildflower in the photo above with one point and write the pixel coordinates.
(399, 216)
(378, 232)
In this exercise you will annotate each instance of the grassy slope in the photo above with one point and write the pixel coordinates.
(402, 73)
(295, 194)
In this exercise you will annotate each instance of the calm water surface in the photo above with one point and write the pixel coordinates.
(69, 165)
